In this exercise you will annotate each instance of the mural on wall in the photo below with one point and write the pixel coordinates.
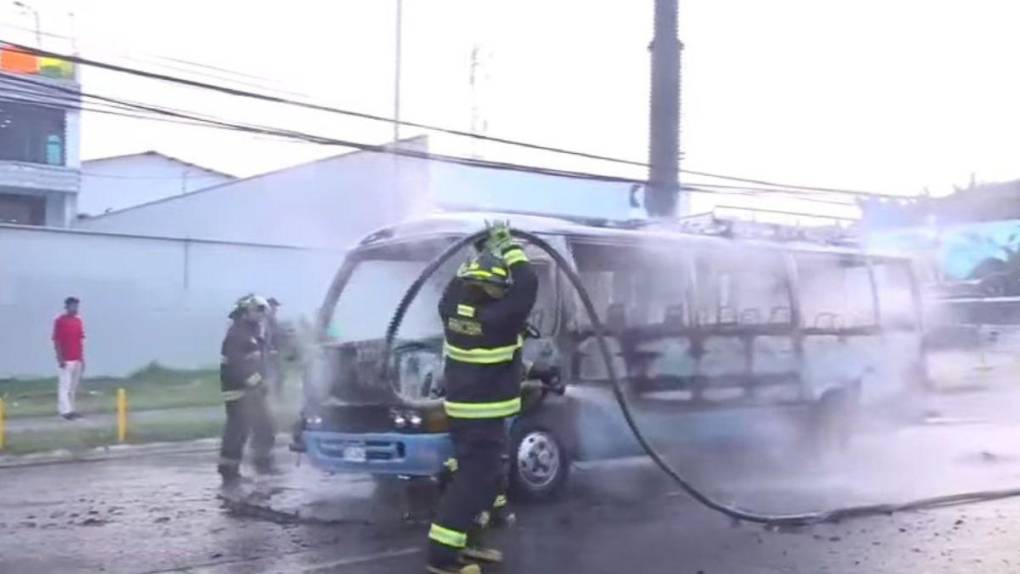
(980, 259)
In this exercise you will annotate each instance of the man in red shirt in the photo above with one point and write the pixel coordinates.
(69, 344)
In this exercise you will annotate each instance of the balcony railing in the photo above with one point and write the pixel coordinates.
(39, 176)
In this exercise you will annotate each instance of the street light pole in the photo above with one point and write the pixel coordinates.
(396, 71)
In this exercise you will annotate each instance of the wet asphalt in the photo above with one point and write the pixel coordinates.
(161, 513)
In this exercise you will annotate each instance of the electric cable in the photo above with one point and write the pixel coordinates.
(190, 118)
(598, 329)
(430, 127)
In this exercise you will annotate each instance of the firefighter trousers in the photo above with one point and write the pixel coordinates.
(247, 416)
(479, 445)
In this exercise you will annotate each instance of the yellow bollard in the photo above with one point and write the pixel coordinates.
(121, 415)
(3, 411)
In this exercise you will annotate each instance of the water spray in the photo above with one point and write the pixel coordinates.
(733, 512)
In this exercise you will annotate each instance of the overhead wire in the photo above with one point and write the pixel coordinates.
(323, 140)
(374, 117)
(212, 72)
(154, 112)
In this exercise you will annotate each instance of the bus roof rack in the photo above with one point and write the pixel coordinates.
(837, 231)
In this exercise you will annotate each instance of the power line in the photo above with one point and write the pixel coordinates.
(323, 140)
(154, 59)
(792, 186)
(319, 107)
(800, 194)
(158, 113)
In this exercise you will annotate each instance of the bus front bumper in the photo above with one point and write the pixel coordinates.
(378, 453)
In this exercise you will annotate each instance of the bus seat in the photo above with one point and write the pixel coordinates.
(826, 317)
(750, 317)
(780, 315)
(727, 315)
(674, 316)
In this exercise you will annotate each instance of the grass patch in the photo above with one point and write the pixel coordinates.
(153, 391)
(153, 387)
(88, 438)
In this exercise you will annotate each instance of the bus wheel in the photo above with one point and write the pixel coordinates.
(539, 463)
(833, 421)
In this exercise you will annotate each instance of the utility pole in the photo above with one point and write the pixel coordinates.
(396, 70)
(662, 197)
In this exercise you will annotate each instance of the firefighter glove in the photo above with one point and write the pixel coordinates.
(500, 238)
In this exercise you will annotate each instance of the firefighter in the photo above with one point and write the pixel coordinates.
(242, 380)
(502, 516)
(484, 311)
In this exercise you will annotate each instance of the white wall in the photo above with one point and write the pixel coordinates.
(143, 299)
(117, 183)
(328, 203)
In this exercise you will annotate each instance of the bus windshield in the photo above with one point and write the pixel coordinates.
(373, 291)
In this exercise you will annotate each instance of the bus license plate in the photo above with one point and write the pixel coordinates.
(355, 454)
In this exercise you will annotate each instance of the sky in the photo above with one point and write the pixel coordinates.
(892, 96)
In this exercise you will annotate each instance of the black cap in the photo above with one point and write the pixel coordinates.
(274, 302)
(70, 300)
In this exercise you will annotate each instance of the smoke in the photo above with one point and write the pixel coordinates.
(741, 361)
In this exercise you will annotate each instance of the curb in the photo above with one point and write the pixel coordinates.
(111, 452)
(120, 451)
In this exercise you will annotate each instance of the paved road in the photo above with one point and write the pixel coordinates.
(160, 514)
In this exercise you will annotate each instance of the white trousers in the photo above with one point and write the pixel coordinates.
(69, 378)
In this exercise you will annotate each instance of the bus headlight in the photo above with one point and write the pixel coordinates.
(406, 419)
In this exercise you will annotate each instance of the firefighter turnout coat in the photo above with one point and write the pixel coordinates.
(483, 369)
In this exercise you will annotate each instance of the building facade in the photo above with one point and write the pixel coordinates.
(39, 140)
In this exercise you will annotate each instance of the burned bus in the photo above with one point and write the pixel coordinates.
(715, 338)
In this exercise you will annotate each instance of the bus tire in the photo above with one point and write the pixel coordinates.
(539, 462)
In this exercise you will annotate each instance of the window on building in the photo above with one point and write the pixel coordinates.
(22, 209)
(31, 133)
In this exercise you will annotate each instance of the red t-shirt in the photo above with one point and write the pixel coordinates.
(69, 334)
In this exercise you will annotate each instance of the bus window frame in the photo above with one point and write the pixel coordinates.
(783, 259)
(862, 260)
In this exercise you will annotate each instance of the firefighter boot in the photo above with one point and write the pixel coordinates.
(230, 476)
(502, 516)
(476, 550)
(267, 467)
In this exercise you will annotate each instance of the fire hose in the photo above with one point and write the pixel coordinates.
(733, 512)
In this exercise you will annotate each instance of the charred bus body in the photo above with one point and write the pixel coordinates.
(718, 339)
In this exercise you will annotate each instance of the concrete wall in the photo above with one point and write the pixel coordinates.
(120, 182)
(328, 203)
(143, 299)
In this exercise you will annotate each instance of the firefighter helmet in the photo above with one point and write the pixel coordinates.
(253, 302)
(485, 268)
